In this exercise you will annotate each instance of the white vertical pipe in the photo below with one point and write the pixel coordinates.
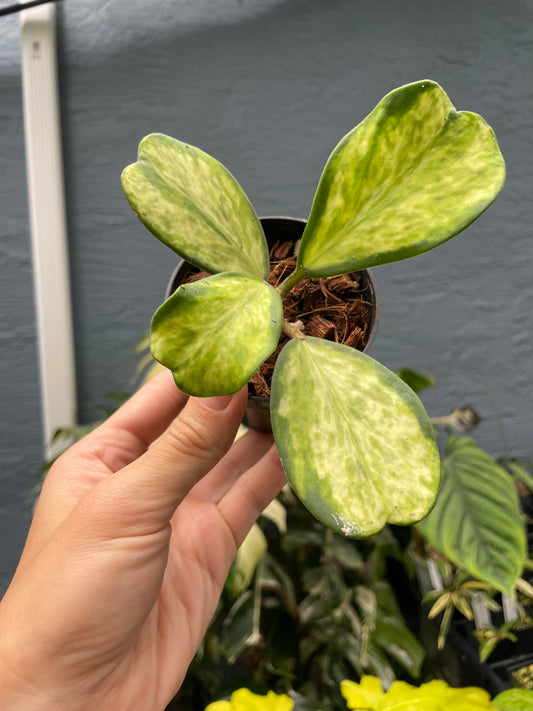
(48, 220)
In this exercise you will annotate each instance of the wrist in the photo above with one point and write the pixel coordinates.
(17, 695)
(19, 684)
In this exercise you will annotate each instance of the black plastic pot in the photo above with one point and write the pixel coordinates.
(280, 229)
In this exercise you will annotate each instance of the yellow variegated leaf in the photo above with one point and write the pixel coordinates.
(189, 201)
(355, 441)
(214, 333)
(413, 174)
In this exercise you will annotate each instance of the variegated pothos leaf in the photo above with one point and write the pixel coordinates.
(214, 333)
(193, 204)
(355, 441)
(410, 176)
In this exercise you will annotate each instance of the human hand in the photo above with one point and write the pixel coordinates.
(131, 542)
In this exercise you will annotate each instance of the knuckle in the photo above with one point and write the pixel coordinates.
(190, 437)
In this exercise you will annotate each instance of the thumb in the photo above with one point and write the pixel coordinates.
(143, 496)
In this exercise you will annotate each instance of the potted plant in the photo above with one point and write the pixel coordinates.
(355, 441)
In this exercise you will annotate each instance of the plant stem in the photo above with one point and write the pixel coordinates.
(293, 330)
(296, 276)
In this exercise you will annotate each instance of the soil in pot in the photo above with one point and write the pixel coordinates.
(335, 309)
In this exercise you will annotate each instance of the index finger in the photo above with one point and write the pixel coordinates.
(147, 414)
(128, 433)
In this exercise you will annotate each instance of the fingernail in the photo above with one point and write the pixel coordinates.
(216, 403)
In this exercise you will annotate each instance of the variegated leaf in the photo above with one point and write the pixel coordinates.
(214, 333)
(355, 441)
(413, 174)
(189, 201)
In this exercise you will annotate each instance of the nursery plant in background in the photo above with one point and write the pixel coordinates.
(355, 441)
(369, 695)
(303, 608)
(472, 557)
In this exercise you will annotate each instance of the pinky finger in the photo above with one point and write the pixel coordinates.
(251, 494)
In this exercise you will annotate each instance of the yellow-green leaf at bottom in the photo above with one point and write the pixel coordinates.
(355, 441)
(368, 695)
(214, 333)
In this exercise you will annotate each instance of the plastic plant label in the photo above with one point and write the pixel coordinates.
(410, 176)
(214, 333)
(193, 204)
(355, 441)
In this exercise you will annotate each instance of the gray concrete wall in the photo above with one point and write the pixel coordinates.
(268, 87)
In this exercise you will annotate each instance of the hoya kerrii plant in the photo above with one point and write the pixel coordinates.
(355, 441)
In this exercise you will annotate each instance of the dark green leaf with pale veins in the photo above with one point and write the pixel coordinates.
(476, 521)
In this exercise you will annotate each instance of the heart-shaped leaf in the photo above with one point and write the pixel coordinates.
(189, 201)
(214, 333)
(476, 521)
(355, 441)
(413, 174)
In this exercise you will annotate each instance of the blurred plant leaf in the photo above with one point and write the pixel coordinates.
(244, 566)
(392, 634)
(345, 553)
(238, 629)
(433, 696)
(514, 700)
(476, 521)
(276, 513)
(296, 538)
(490, 637)
(416, 381)
(521, 471)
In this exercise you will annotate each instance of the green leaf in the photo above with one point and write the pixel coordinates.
(345, 553)
(277, 514)
(238, 627)
(521, 471)
(214, 333)
(476, 521)
(356, 443)
(416, 381)
(412, 175)
(514, 700)
(246, 561)
(189, 201)
(393, 635)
